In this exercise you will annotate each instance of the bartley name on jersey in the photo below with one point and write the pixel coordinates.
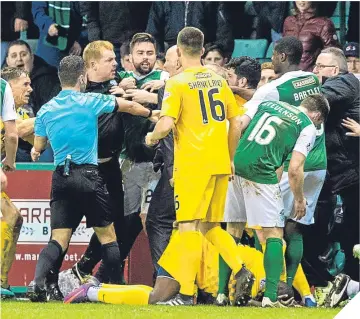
(301, 84)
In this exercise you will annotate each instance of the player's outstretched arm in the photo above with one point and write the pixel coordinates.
(162, 129)
(132, 107)
(296, 181)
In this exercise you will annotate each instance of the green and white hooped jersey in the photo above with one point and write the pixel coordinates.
(8, 111)
(276, 129)
(292, 88)
(140, 80)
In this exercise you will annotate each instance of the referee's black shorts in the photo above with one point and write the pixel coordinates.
(83, 193)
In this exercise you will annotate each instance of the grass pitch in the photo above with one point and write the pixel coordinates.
(55, 310)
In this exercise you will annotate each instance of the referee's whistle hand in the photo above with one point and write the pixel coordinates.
(35, 155)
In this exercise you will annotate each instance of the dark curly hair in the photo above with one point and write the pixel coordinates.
(209, 47)
(248, 68)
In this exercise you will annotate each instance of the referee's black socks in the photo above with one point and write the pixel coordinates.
(112, 261)
(47, 259)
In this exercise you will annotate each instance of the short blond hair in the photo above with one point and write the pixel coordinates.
(94, 50)
(191, 40)
(267, 65)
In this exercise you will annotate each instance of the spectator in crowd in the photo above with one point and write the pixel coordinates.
(243, 77)
(44, 80)
(214, 54)
(125, 59)
(351, 51)
(60, 24)
(271, 16)
(160, 61)
(267, 73)
(341, 88)
(16, 17)
(315, 32)
(353, 22)
(115, 21)
(167, 18)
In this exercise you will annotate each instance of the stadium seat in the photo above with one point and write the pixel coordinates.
(252, 48)
(33, 44)
(270, 50)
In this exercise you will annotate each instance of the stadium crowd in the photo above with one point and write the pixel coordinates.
(129, 57)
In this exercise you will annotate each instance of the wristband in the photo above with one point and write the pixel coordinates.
(150, 114)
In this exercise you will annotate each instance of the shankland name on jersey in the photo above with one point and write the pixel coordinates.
(204, 84)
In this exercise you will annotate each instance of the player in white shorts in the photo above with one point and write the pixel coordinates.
(276, 130)
(293, 86)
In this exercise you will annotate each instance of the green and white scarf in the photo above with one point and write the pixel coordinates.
(59, 11)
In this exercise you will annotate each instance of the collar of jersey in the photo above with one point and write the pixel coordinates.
(140, 77)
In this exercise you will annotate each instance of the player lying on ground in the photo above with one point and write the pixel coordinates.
(300, 282)
(166, 287)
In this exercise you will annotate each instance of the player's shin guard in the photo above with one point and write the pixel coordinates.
(226, 246)
(47, 259)
(6, 243)
(300, 282)
(273, 264)
(112, 261)
(283, 276)
(293, 255)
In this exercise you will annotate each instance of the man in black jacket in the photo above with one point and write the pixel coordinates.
(161, 213)
(341, 88)
(115, 21)
(16, 17)
(167, 18)
(44, 80)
